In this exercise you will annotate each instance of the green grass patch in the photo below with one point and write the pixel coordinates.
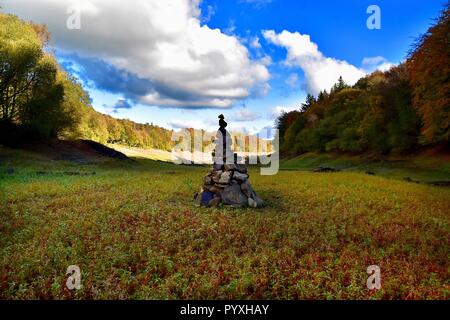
(136, 233)
(419, 169)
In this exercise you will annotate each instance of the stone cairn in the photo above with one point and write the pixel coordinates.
(228, 182)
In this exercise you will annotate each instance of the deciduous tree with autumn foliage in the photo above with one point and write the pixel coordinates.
(398, 110)
(429, 71)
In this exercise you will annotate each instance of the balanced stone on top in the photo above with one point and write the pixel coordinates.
(228, 182)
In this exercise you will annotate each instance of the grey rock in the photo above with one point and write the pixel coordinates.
(240, 176)
(230, 167)
(232, 195)
(207, 180)
(215, 202)
(242, 168)
(208, 187)
(216, 176)
(216, 188)
(247, 189)
(221, 186)
(225, 177)
(259, 201)
(252, 203)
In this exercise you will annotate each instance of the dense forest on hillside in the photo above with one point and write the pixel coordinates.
(398, 110)
(106, 129)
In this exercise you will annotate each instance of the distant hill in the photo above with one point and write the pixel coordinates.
(108, 130)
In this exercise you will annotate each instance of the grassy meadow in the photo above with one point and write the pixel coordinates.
(422, 168)
(136, 233)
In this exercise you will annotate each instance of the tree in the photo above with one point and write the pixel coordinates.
(339, 86)
(20, 68)
(429, 71)
(75, 106)
(310, 100)
(284, 121)
(30, 94)
(322, 96)
(374, 115)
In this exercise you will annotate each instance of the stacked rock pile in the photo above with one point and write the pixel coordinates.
(228, 182)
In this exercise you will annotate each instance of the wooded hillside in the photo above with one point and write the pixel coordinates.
(395, 111)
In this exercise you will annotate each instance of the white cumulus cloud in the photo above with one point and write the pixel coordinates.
(245, 115)
(292, 80)
(254, 43)
(178, 124)
(320, 72)
(277, 111)
(162, 41)
(371, 64)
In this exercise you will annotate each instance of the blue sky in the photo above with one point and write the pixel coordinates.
(182, 62)
(339, 27)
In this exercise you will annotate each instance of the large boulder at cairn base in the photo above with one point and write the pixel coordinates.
(259, 202)
(247, 189)
(253, 200)
(233, 196)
